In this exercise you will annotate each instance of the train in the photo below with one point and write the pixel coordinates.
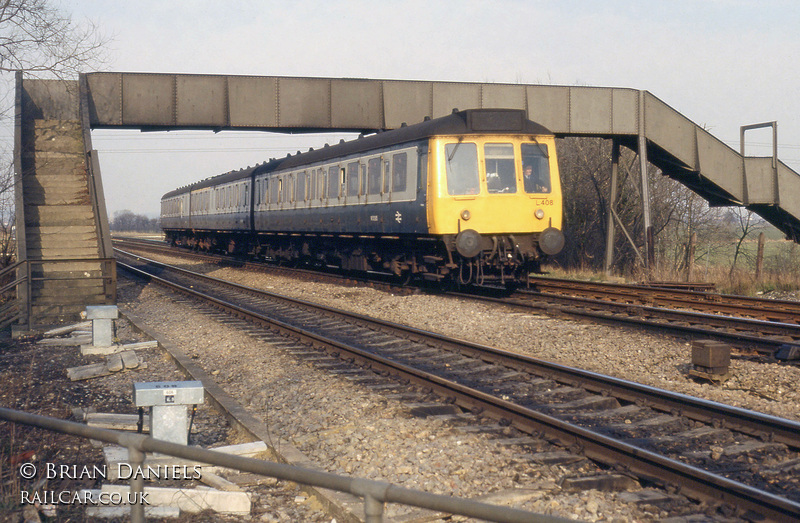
(471, 198)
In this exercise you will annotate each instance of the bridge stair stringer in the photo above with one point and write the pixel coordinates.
(689, 154)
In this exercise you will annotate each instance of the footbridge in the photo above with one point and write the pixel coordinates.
(62, 227)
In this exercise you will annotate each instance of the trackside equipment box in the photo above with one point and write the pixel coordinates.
(168, 402)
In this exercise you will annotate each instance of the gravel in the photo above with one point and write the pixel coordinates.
(349, 429)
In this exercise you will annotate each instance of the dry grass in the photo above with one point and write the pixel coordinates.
(775, 278)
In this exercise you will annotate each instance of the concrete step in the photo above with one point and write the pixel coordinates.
(61, 253)
(55, 136)
(39, 197)
(52, 230)
(62, 240)
(58, 215)
(47, 166)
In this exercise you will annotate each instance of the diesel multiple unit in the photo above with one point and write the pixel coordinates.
(473, 197)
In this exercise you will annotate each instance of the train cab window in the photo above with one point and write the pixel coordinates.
(374, 181)
(352, 179)
(535, 168)
(334, 183)
(461, 160)
(399, 172)
(501, 173)
(387, 176)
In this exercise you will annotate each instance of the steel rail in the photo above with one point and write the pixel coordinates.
(691, 480)
(735, 418)
(780, 311)
(226, 261)
(741, 332)
(762, 308)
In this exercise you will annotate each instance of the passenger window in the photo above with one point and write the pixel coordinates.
(352, 179)
(333, 182)
(461, 161)
(300, 195)
(501, 174)
(321, 185)
(374, 176)
(399, 169)
(535, 168)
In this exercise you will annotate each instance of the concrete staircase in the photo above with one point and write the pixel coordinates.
(62, 247)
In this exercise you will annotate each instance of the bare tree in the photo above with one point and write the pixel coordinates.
(746, 223)
(585, 168)
(689, 214)
(42, 40)
(128, 221)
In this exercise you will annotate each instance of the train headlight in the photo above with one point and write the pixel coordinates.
(539, 213)
(466, 215)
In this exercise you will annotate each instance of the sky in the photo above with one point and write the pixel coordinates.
(721, 63)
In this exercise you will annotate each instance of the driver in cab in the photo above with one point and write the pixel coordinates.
(532, 182)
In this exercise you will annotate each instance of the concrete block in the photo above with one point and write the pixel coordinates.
(706, 353)
(102, 332)
(98, 312)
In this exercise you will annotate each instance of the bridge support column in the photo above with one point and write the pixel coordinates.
(614, 220)
(612, 202)
(649, 258)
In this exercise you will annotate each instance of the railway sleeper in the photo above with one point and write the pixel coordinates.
(646, 427)
(602, 482)
(588, 403)
(557, 457)
(425, 410)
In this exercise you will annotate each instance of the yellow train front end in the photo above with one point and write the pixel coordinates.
(495, 200)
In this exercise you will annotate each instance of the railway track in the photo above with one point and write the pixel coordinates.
(702, 449)
(756, 327)
(749, 336)
(779, 311)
